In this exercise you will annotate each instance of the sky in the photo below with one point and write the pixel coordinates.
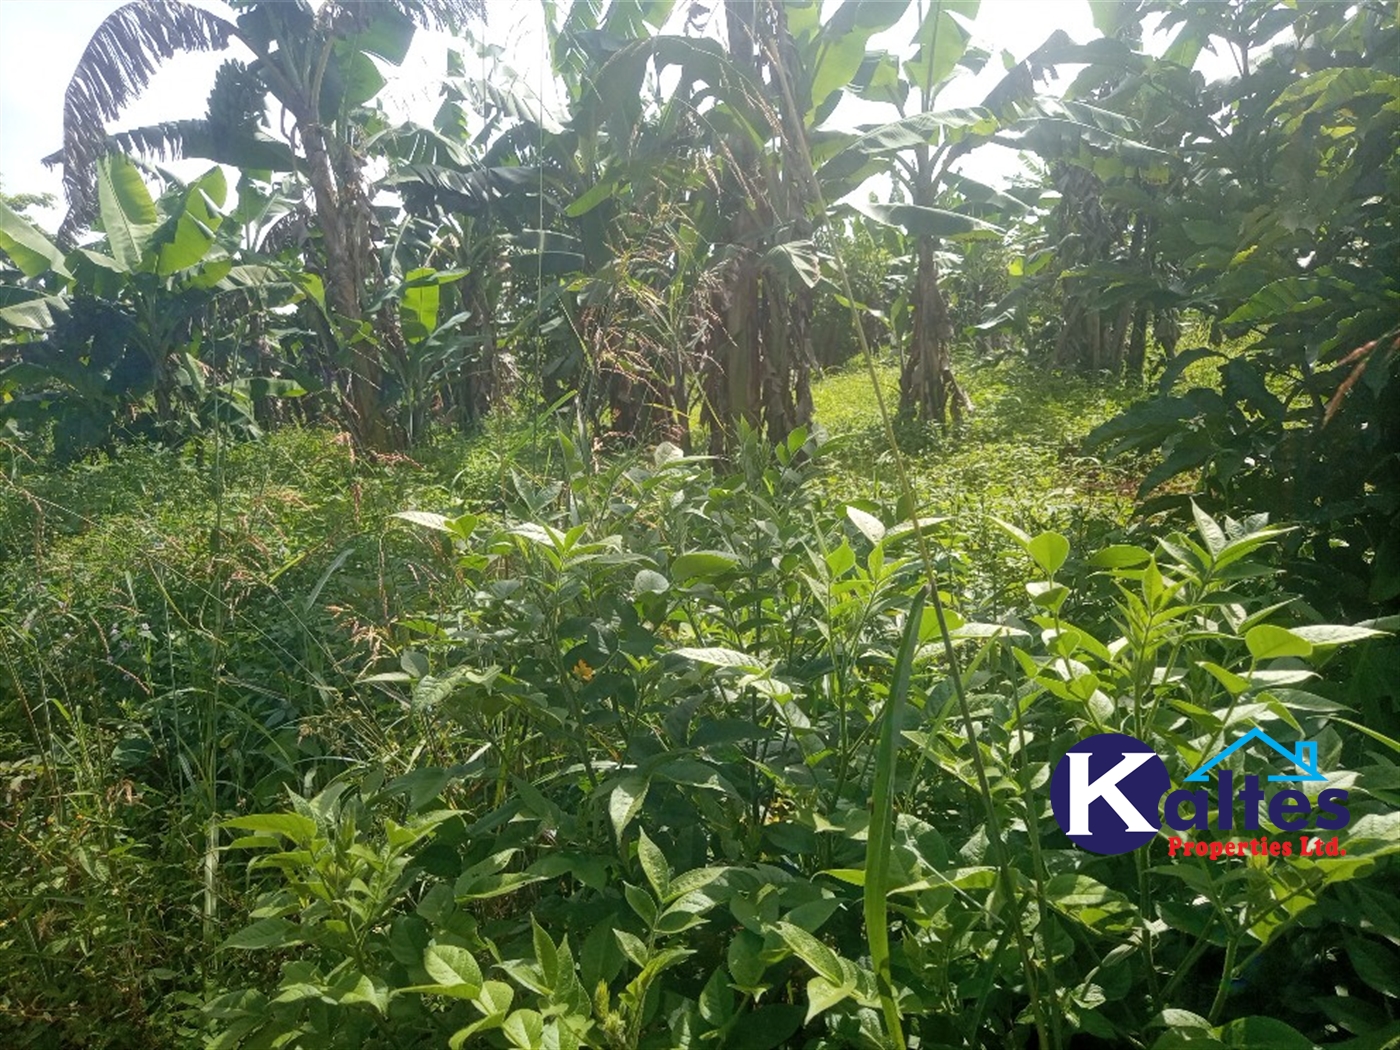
(41, 42)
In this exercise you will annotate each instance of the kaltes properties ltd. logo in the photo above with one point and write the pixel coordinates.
(1106, 794)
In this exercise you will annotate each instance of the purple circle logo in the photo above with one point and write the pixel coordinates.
(1106, 792)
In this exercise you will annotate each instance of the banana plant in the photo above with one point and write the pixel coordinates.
(319, 65)
(114, 337)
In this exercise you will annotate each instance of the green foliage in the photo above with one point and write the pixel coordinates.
(657, 702)
(536, 744)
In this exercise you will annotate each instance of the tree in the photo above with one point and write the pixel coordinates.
(1287, 226)
(316, 64)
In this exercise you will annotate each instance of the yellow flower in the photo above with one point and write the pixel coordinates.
(583, 670)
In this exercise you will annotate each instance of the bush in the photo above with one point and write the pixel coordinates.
(701, 772)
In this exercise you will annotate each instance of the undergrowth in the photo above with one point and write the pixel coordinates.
(537, 749)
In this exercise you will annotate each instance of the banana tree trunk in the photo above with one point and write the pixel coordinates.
(343, 215)
(926, 383)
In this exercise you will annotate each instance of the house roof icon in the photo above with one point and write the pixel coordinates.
(1304, 756)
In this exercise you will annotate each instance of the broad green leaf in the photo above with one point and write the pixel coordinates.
(592, 198)
(870, 526)
(419, 305)
(702, 564)
(454, 967)
(264, 934)
(865, 153)
(294, 826)
(922, 221)
(184, 239)
(797, 259)
(1211, 533)
(128, 214)
(524, 1029)
(426, 518)
(1233, 683)
(654, 865)
(841, 43)
(1288, 295)
(716, 1002)
(1375, 963)
(1049, 550)
(1256, 1032)
(1335, 634)
(625, 802)
(649, 581)
(372, 991)
(718, 656)
(1112, 16)
(811, 951)
(1267, 642)
(822, 995)
(1379, 738)
(941, 40)
(27, 246)
(35, 313)
(1119, 556)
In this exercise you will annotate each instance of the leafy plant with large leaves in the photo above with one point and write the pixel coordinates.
(131, 335)
(316, 63)
(1290, 247)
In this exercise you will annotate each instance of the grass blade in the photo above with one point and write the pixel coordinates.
(880, 837)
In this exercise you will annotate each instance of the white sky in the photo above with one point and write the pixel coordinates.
(42, 40)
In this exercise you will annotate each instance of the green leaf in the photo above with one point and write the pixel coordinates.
(923, 221)
(427, 519)
(823, 994)
(453, 967)
(372, 991)
(941, 39)
(649, 581)
(811, 951)
(27, 246)
(1233, 683)
(870, 526)
(128, 214)
(879, 839)
(1256, 1032)
(797, 259)
(718, 656)
(702, 564)
(265, 933)
(35, 313)
(1375, 963)
(641, 902)
(1335, 634)
(294, 826)
(1289, 295)
(654, 865)
(1049, 550)
(1267, 642)
(716, 1002)
(842, 43)
(869, 152)
(524, 1029)
(419, 305)
(1380, 738)
(1119, 556)
(1111, 16)
(625, 802)
(1211, 533)
(184, 240)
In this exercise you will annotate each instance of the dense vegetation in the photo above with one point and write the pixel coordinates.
(576, 579)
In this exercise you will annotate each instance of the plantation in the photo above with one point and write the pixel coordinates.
(639, 557)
